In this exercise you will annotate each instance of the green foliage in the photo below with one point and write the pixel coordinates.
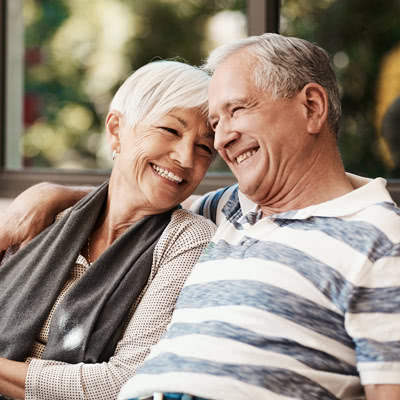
(365, 32)
(79, 52)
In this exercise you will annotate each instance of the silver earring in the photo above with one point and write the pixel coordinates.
(114, 154)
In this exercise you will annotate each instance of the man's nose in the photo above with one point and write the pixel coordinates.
(224, 135)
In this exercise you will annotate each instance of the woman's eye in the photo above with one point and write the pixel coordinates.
(170, 130)
(206, 149)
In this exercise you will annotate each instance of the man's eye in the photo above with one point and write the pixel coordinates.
(170, 130)
(214, 125)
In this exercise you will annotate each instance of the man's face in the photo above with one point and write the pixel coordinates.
(256, 136)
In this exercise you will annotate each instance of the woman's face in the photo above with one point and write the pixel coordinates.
(162, 164)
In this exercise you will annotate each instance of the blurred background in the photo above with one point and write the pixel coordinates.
(76, 53)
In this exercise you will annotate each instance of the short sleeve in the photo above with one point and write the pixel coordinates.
(211, 204)
(373, 320)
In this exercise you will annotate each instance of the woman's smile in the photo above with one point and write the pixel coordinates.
(167, 174)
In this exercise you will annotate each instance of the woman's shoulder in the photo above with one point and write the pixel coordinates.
(187, 229)
(183, 240)
(186, 220)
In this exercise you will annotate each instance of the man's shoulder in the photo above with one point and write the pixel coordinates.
(218, 204)
(385, 217)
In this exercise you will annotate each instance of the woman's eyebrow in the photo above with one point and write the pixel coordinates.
(209, 135)
(180, 120)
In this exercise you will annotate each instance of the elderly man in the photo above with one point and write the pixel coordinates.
(298, 294)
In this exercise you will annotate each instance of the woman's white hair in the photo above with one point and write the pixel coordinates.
(285, 65)
(159, 87)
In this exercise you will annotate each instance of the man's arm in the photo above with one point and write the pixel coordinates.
(382, 392)
(35, 209)
(210, 205)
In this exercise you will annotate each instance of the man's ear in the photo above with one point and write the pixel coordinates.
(315, 102)
(114, 121)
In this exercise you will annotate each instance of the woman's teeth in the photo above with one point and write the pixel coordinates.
(245, 156)
(167, 174)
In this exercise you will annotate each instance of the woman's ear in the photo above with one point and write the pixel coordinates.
(315, 101)
(114, 121)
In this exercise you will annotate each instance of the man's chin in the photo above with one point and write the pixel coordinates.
(245, 188)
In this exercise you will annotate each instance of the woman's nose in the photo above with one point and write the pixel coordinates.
(183, 153)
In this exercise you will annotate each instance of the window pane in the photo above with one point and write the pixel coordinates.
(78, 52)
(363, 38)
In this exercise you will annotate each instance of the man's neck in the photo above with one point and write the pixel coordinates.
(325, 179)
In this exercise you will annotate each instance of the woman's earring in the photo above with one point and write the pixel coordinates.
(114, 154)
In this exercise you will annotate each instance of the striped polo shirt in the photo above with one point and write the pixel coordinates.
(303, 304)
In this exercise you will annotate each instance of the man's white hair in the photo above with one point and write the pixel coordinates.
(285, 65)
(159, 87)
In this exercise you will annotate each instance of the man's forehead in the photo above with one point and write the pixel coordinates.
(231, 94)
(230, 77)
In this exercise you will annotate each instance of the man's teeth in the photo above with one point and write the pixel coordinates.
(245, 156)
(167, 174)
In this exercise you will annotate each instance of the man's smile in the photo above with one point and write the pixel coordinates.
(245, 155)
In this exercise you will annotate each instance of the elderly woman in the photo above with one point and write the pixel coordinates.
(84, 301)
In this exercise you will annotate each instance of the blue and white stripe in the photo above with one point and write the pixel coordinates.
(303, 304)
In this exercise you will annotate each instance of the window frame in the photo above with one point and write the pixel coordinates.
(262, 15)
(2, 82)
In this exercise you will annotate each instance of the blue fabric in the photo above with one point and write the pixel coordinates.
(175, 396)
